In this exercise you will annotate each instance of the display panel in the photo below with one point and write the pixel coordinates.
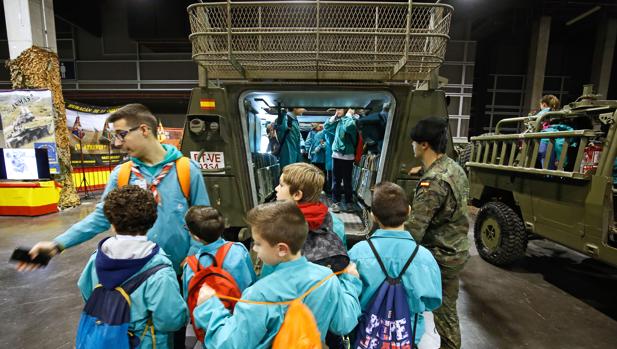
(24, 164)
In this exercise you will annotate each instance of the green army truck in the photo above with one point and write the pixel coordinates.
(555, 183)
(257, 58)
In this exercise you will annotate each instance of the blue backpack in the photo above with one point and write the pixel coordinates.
(386, 324)
(105, 320)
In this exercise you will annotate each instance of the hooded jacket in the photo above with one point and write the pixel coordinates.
(290, 149)
(315, 214)
(168, 230)
(119, 259)
(334, 305)
(345, 134)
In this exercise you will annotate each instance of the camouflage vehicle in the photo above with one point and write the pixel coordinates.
(556, 183)
(258, 58)
(26, 130)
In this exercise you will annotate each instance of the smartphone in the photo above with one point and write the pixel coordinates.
(21, 254)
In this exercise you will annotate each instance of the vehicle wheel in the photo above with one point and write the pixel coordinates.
(499, 234)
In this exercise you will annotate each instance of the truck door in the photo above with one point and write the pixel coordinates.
(213, 138)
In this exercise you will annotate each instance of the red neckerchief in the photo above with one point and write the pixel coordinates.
(314, 213)
(156, 181)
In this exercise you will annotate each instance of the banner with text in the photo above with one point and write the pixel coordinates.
(90, 136)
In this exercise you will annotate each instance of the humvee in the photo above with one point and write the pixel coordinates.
(256, 58)
(557, 185)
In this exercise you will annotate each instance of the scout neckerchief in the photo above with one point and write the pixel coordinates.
(156, 180)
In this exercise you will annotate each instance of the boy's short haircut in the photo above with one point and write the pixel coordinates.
(279, 222)
(131, 210)
(551, 101)
(135, 114)
(434, 131)
(305, 177)
(205, 222)
(390, 204)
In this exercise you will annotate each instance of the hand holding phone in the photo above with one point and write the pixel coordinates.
(24, 260)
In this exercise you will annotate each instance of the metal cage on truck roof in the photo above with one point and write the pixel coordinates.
(319, 40)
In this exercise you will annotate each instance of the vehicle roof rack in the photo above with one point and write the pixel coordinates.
(319, 40)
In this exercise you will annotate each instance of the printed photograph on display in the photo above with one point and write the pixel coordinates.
(28, 122)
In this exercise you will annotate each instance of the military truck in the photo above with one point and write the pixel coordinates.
(258, 57)
(556, 183)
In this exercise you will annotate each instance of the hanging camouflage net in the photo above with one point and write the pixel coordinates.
(37, 68)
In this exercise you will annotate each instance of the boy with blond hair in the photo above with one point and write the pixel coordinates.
(303, 183)
(279, 231)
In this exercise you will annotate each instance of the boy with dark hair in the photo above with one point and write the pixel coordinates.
(394, 246)
(206, 225)
(279, 231)
(157, 301)
(439, 218)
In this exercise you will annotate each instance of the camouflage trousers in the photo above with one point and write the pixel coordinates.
(446, 316)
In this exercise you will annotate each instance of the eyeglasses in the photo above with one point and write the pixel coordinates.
(119, 135)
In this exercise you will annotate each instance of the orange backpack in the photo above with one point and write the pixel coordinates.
(299, 329)
(214, 276)
(183, 169)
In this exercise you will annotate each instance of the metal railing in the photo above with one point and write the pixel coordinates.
(523, 152)
(329, 40)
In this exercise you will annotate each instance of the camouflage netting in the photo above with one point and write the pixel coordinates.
(37, 68)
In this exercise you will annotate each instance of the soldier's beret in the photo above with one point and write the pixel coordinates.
(429, 129)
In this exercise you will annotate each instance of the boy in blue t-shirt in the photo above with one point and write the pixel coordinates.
(422, 279)
(279, 231)
(206, 225)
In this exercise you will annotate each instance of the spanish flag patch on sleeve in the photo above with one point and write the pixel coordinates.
(425, 184)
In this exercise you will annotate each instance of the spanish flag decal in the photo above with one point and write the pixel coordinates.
(425, 184)
(207, 103)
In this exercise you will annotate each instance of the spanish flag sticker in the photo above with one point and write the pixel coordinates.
(207, 103)
(425, 184)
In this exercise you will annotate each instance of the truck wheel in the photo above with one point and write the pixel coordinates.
(499, 234)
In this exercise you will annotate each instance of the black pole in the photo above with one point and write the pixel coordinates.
(84, 182)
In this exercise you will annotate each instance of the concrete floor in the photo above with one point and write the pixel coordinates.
(554, 298)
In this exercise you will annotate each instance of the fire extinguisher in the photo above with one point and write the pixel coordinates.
(591, 158)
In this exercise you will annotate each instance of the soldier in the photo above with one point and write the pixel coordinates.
(438, 218)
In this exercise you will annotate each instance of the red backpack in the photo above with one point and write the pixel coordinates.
(214, 276)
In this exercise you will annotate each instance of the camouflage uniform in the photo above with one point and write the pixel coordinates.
(439, 222)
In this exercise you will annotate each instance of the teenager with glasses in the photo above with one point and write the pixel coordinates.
(134, 130)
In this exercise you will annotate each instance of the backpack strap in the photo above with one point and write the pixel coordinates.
(193, 263)
(133, 283)
(221, 254)
(313, 288)
(383, 268)
(124, 174)
(183, 170)
(413, 255)
(413, 332)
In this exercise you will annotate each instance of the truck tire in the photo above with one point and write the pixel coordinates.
(499, 234)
